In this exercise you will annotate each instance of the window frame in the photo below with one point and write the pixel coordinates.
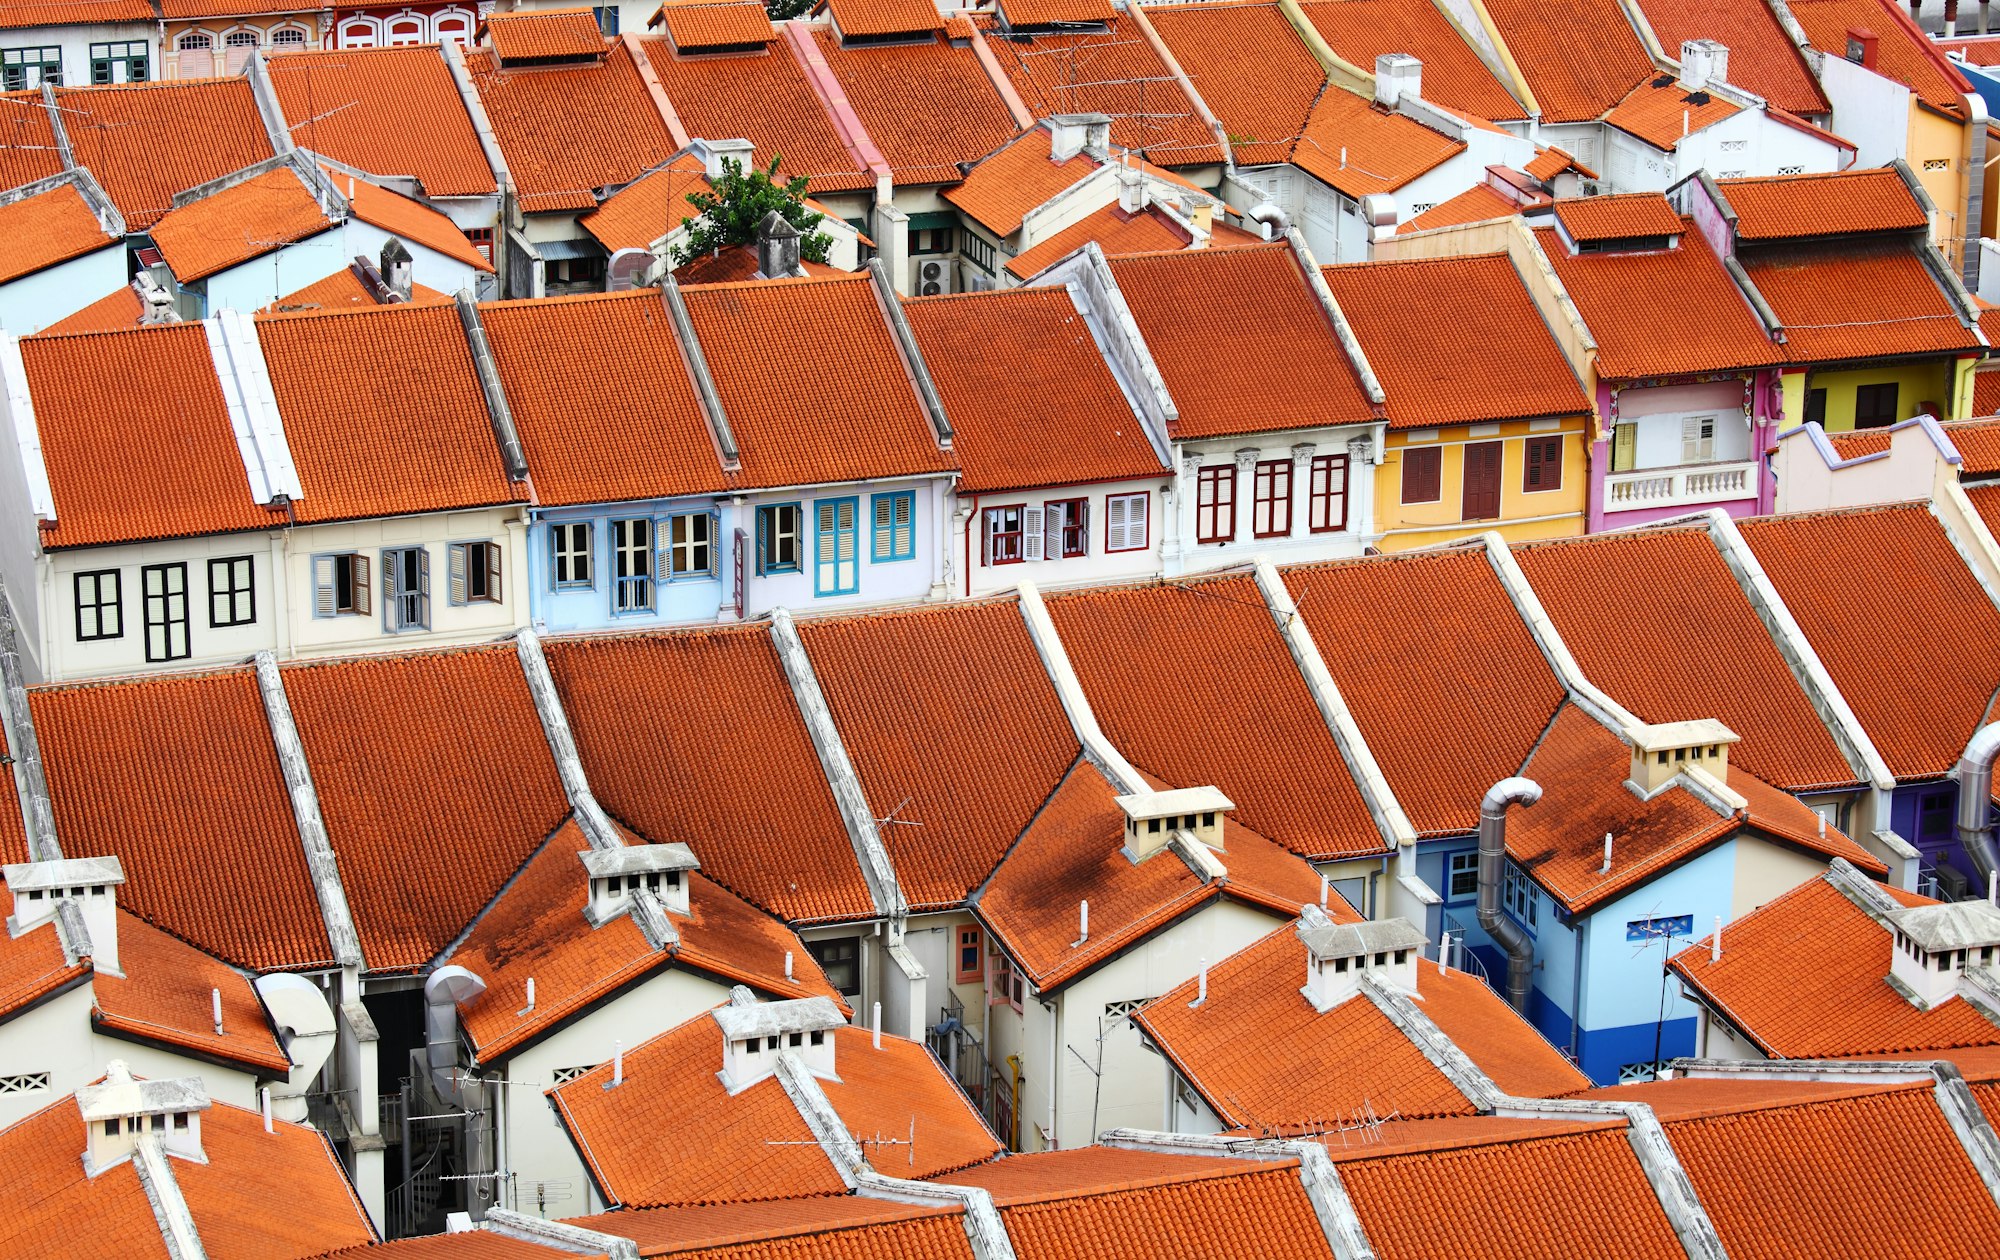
(639, 584)
(969, 936)
(360, 585)
(1875, 391)
(989, 553)
(97, 606)
(1074, 540)
(1320, 491)
(819, 950)
(822, 564)
(166, 621)
(1271, 507)
(1699, 440)
(561, 555)
(399, 599)
(898, 550)
(1415, 460)
(1455, 865)
(1145, 498)
(46, 66)
(473, 562)
(1520, 897)
(768, 516)
(102, 57)
(681, 553)
(1533, 463)
(247, 592)
(1497, 451)
(1215, 495)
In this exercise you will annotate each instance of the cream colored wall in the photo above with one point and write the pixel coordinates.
(1934, 138)
(64, 656)
(1764, 871)
(309, 635)
(54, 1037)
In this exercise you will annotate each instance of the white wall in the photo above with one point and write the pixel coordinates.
(1098, 565)
(64, 656)
(35, 301)
(304, 634)
(1182, 554)
(261, 281)
(1750, 143)
(75, 42)
(1869, 109)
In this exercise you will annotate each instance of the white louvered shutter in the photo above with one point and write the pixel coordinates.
(492, 550)
(390, 610)
(885, 525)
(323, 605)
(826, 577)
(1053, 519)
(1114, 523)
(1082, 524)
(457, 567)
(1031, 533)
(363, 586)
(424, 587)
(663, 549)
(1135, 519)
(905, 525)
(986, 537)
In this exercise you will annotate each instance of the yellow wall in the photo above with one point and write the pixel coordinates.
(1522, 516)
(1935, 138)
(1939, 381)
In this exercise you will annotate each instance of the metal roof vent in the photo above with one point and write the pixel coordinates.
(119, 1112)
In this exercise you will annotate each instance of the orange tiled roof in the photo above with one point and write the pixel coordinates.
(1978, 443)
(703, 690)
(1582, 769)
(1617, 217)
(454, 727)
(864, 18)
(128, 465)
(766, 100)
(1553, 161)
(146, 142)
(166, 997)
(1423, 634)
(1673, 586)
(543, 34)
(342, 291)
(1986, 499)
(672, 1134)
(46, 229)
(536, 930)
(1857, 300)
(649, 207)
(377, 92)
(32, 969)
(645, 440)
(477, 1245)
(1493, 360)
(693, 27)
(73, 13)
(845, 412)
(1784, 207)
(383, 412)
(1219, 373)
(117, 310)
(1921, 692)
(1983, 50)
(846, 1225)
(927, 106)
(1002, 187)
(1454, 76)
(570, 130)
(28, 150)
(1055, 416)
(917, 696)
(214, 799)
(1251, 68)
(1832, 1000)
(1626, 298)
(1153, 662)
(738, 263)
(1038, 1176)
(1663, 113)
(1118, 233)
(1762, 57)
(1052, 12)
(1383, 151)
(1902, 52)
(412, 221)
(1264, 1059)
(1542, 37)
(238, 224)
(1476, 204)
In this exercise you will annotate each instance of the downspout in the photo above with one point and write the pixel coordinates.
(1975, 797)
(1492, 850)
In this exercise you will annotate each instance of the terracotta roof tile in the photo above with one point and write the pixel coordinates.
(695, 27)
(383, 413)
(1219, 372)
(166, 996)
(1806, 976)
(1031, 13)
(1978, 445)
(1617, 217)
(703, 691)
(117, 310)
(238, 224)
(1261, 1204)
(544, 34)
(649, 207)
(1673, 586)
(736, 264)
(343, 291)
(1126, 80)
(644, 440)
(1043, 1175)
(357, 106)
(927, 106)
(1783, 207)
(475, 1245)
(126, 465)
(1541, 35)
(146, 142)
(829, 1228)
(1504, 364)
(1383, 151)
(1663, 113)
(845, 412)
(46, 229)
(1158, 663)
(1986, 499)
(767, 100)
(456, 728)
(1857, 300)
(1002, 187)
(569, 130)
(1475, 205)
(1454, 76)
(1251, 68)
(1626, 298)
(1762, 58)
(32, 969)
(1055, 416)
(1425, 634)
(864, 18)
(28, 149)
(73, 12)
(412, 221)
(1903, 52)
(204, 792)
(1921, 692)
(1118, 233)
(918, 697)
(1983, 50)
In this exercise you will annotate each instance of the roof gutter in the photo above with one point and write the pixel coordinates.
(1506, 933)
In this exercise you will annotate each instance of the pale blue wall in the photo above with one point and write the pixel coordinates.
(45, 297)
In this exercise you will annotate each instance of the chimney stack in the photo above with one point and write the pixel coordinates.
(1934, 947)
(39, 888)
(1703, 62)
(1071, 134)
(1151, 819)
(618, 875)
(398, 270)
(1398, 77)
(1131, 190)
(1861, 47)
(714, 152)
(1663, 751)
(755, 1033)
(778, 248)
(1338, 954)
(120, 1111)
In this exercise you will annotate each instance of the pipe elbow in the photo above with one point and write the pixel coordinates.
(1514, 790)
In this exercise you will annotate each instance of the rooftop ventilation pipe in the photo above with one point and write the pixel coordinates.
(1492, 851)
(443, 993)
(1975, 795)
(1275, 221)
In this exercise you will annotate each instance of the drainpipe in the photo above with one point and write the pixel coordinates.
(1492, 849)
(1975, 794)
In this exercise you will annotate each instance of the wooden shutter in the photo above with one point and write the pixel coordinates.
(763, 540)
(1082, 525)
(1482, 481)
(364, 587)
(1031, 533)
(323, 605)
(1624, 447)
(424, 587)
(986, 537)
(1054, 517)
(714, 543)
(457, 572)
(885, 526)
(847, 572)
(905, 524)
(1115, 512)
(1422, 474)
(492, 550)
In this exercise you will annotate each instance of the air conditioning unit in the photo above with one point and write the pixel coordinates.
(935, 276)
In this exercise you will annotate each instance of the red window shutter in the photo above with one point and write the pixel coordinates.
(1422, 474)
(1482, 481)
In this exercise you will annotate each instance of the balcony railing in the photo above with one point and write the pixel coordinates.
(1688, 486)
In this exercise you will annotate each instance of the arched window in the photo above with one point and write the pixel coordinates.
(452, 26)
(240, 39)
(288, 38)
(406, 30)
(360, 32)
(196, 41)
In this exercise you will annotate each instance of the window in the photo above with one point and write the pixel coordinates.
(1067, 522)
(1118, 1012)
(1423, 474)
(291, 39)
(405, 31)
(1667, 928)
(841, 961)
(569, 555)
(475, 573)
(836, 555)
(1480, 500)
(1003, 544)
(1934, 817)
(778, 538)
(1326, 503)
(607, 18)
(1816, 407)
(931, 241)
(690, 546)
(1215, 504)
(895, 534)
(632, 566)
(564, 1075)
(232, 597)
(1461, 879)
(406, 589)
(99, 614)
(978, 251)
(969, 954)
(1271, 509)
(195, 41)
(1544, 465)
(1517, 893)
(163, 590)
(1125, 524)
(24, 68)
(1624, 447)
(240, 39)
(1004, 982)
(1875, 406)
(340, 585)
(1697, 439)
(120, 63)
(481, 239)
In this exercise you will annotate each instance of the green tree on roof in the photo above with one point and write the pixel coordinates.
(728, 214)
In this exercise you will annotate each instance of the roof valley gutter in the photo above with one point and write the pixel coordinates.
(1357, 358)
(696, 363)
(38, 819)
(163, 1194)
(1319, 1176)
(56, 126)
(1137, 13)
(321, 862)
(1585, 694)
(269, 110)
(498, 412)
(559, 1236)
(1430, 1041)
(561, 739)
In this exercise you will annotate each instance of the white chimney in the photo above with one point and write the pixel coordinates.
(119, 1111)
(91, 884)
(1663, 750)
(1932, 947)
(713, 152)
(1071, 134)
(1703, 62)
(1399, 77)
(1339, 954)
(1131, 190)
(616, 875)
(755, 1033)
(1151, 818)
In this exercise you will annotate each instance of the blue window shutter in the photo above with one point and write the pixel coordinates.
(883, 536)
(714, 543)
(826, 577)
(904, 523)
